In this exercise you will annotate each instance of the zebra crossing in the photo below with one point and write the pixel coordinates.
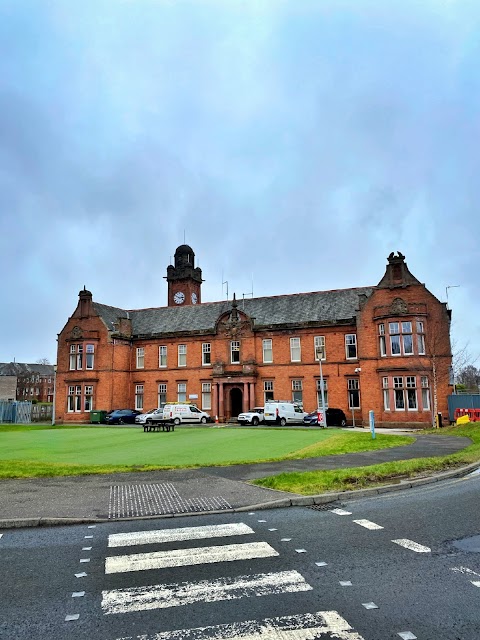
(167, 595)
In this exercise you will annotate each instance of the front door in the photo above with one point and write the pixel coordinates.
(236, 402)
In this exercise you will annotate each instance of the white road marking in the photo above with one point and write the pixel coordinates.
(161, 596)
(465, 570)
(261, 520)
(91, 526)
(273, 529)
(84, 559)
(346, 583)
(407, 635)
(176, 535)
(75, 616)
(78, 594)
(341, 512)
(298, 627)
(367, 524)
(369, 605)
(321, 564)
(187, 557)
(81, 575)
(285, 539)
(476, 583)
(251, 513)
(86, 548)
(1, 535)
(412, 546)
(88, 537)
(301, 550)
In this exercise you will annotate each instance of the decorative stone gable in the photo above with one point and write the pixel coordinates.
(234, 324)
(397, 273)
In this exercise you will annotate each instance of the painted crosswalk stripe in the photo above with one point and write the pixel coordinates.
(177, 535)
(162, 596)
(412, 546)
(299, 627)
(341, 512)
(367, 524)
(187, 557)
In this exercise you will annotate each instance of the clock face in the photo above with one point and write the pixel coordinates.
(194, 298)
(179, 297)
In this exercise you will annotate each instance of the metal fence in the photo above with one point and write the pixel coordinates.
(16, 412)
(462, 401)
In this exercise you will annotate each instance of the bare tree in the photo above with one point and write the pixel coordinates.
(42, 361)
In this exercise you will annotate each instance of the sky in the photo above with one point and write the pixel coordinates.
(292, 144)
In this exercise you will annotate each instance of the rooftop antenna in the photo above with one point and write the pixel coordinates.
(250, 293)
(184, 236)
(224, 282)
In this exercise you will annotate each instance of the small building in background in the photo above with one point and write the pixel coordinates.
(30, 381)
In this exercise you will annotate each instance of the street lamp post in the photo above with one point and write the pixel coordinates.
(324, 416)
(54, 393)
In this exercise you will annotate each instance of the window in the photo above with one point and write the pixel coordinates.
(297, 391)
(411, 393)
(399, 393)
(71, 399)
(139, 396)
(88, 393)
(386, 394)
(140, 358)
(162, 356)
(381, 334)
(78, 398)
(353, 394)
(234, 351)
(90, 349)
(268, 390)
(319, 347)
(351, 346)
(267, 350)
(182, 391)
(425, 393)
(394, 330)
(420, 338)
(319, 392)
(295, 350)
(182, 356)
(76, 357)
(206, 354)
(162, 394)
(206, 395)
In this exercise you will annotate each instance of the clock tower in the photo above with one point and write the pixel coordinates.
(184, 280)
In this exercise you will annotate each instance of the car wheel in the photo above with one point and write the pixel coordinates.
(255, 421)
(203, 420)
(120, 421)
(283, 422)
(343, 423)
(176, 421)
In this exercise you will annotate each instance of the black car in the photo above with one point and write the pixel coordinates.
(335, 418)
(122, 416)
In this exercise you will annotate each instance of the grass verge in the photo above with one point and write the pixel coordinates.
(45, 451)
(315, 482)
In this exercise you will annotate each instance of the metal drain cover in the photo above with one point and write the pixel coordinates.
(325, 507)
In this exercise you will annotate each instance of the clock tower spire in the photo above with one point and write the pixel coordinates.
(184, 279)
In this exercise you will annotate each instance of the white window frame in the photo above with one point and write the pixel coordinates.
(353, 387)
(235, 349)
(319, 347)
(162, 356)
(386, 394)
(425, 393)
(139, 389)
(268, 390)
(411, 393)
(206, 354)
(182, 392)
(89, 357)
(182, 356)
(88, 397)
(140, 359)
(73, 357)
(267, 350)
(295, 350)
(206, 396)
(382, 340)
(78, 398)
(319, 392)
(162, 394)
(420, 326)
(351, 344)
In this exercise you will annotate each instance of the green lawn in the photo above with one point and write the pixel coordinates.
(27, 451)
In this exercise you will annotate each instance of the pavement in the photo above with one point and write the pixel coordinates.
(175, 493)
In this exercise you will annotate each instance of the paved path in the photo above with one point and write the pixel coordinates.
(152, 493)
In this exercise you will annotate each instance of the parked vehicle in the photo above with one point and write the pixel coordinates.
(253, 417)
(121, 416)
(283, 412)
(142, 417)
(335, 418)
(179, 413)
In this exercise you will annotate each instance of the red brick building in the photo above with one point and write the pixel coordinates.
(384, 348)
(31, 381)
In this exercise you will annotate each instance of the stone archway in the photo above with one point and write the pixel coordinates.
(236, 402)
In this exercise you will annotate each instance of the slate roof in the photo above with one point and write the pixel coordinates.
(316, 308)
(23, 369)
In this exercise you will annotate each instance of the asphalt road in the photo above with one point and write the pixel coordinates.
(393, 564)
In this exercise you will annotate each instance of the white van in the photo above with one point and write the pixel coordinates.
(178, 413)
(283, 412)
